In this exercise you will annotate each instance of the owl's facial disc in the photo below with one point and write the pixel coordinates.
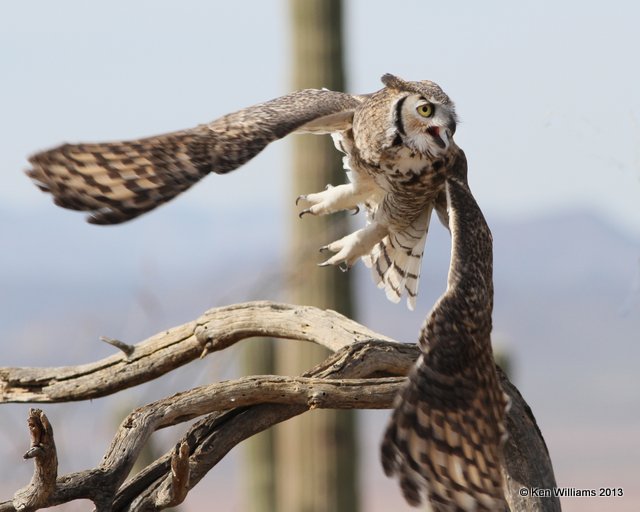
(428, 126)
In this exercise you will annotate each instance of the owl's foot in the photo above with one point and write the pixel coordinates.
(354, 211)
(352, 247)
(331, 200)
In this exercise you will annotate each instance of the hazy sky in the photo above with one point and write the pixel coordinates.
(547, 91)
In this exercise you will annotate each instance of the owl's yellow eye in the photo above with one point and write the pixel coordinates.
(425, 110)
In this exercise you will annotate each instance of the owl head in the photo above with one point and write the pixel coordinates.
(424, 118)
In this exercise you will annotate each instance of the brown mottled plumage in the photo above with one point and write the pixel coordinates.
(397, 141)
(117, 181)
(445, 437)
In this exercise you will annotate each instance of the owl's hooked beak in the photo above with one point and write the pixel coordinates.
(440, 136)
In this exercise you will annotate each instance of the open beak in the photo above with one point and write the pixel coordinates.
(440, 136)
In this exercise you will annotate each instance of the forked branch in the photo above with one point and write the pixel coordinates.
(364, 372)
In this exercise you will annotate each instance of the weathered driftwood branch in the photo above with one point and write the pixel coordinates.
(215, 330)
(43, 451)
(362, 373)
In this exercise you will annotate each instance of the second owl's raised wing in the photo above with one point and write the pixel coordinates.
(118, 181)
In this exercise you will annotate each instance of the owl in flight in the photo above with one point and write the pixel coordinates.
(398, 143)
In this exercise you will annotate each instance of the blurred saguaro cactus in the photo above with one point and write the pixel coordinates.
(316, 453)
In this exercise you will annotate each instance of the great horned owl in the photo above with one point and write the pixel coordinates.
(398, 143)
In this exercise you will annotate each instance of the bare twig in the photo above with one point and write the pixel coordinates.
(126, 348)
(43, 451)
(177, 491)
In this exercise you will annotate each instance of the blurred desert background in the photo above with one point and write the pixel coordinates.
(549, 106)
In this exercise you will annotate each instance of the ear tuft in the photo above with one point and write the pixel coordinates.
(393, 81)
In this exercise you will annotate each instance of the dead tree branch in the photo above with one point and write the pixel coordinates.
(364, 372)
(43, 451)
(217, 329)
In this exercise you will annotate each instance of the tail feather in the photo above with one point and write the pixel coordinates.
(396, 261)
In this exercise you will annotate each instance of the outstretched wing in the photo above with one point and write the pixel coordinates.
(117, 181)
(443, 441)
(445, 437)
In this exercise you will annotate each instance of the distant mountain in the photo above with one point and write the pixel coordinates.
(563, 283)
(568, 289)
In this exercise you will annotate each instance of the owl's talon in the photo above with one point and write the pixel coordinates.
(355, 211)
(304, 212)
(343, 265)
(324, 248)
(333, 199)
